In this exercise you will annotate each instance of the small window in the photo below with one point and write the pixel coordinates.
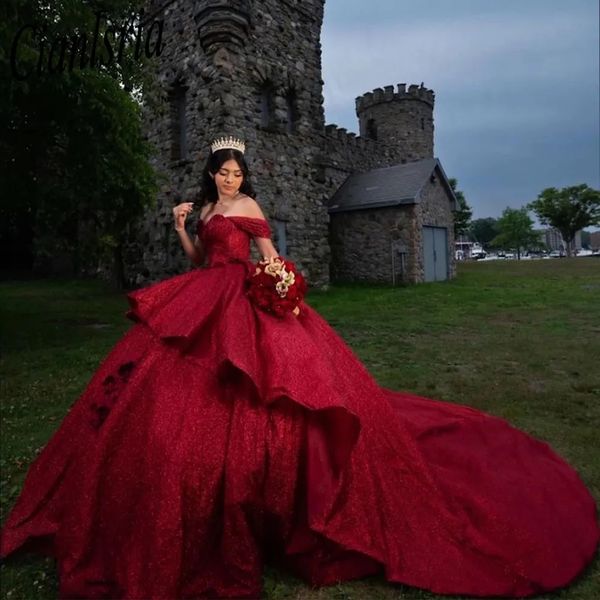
(291, 104)
(422, 123)
(267, 105)
(280, 237)
(371, 129)
(178, 102)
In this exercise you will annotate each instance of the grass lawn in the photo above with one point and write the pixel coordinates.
(520, 340)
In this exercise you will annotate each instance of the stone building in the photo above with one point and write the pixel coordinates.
(252, 69)
(393, 224)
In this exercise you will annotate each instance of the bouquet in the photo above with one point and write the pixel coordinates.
(276, 286)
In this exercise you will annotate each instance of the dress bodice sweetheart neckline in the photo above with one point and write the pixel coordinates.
(205, 223)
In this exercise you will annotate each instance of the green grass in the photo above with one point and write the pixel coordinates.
(519, 340)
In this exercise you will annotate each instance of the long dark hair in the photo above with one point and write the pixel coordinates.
(215, 161)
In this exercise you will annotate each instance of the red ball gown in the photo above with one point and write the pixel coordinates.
(216, 436)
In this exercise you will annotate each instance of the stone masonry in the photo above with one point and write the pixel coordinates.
(434, 210)
(363, 243)
(385, 243)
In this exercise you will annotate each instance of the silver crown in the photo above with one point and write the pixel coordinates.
(228, 142)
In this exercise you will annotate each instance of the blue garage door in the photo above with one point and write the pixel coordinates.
(435, 253)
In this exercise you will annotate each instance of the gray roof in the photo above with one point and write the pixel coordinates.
(388, 186)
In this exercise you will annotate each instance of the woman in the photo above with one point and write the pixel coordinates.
(226, 188)
(216, 436)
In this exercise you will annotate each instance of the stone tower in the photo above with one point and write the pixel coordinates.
(251, 69)
(401, 120)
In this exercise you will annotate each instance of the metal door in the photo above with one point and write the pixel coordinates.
(435, 253)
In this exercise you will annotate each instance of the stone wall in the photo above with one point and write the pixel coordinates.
(363, 241)
(434, 209)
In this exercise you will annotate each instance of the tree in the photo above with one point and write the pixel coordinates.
(516, 230)
(463, 212)
(484, 231)
(78, 164)
(568, 210)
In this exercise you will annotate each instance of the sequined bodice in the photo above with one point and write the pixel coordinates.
(227, 239)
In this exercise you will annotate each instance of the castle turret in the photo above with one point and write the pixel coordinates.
(222, 23)
(402, 120)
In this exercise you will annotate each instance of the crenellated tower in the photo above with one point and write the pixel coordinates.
(400, 119)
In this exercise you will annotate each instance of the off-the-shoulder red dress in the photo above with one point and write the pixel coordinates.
(215, 437)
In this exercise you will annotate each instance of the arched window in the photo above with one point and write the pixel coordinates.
(178, 109)
(291, 105)
(371, 129)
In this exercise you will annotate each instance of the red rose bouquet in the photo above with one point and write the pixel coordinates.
(276, 286)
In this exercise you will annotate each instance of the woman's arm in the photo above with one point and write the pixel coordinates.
(265, 247)
(194, 250)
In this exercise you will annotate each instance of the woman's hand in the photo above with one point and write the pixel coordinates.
(180, 213)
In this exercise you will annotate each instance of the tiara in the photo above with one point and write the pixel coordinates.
(228, 142)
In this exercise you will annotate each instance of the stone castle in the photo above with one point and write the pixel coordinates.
(252, 69)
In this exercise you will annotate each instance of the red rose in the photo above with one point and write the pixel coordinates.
(276, 286)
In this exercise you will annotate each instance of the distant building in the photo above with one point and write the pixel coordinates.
(554, 240)
(595, 241)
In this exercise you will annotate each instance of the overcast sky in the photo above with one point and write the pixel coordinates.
(516, 84)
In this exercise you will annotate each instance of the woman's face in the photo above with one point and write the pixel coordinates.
(228, 178)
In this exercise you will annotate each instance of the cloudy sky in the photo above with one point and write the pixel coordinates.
(516, 84)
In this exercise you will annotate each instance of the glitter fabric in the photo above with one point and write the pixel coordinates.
(215, 437)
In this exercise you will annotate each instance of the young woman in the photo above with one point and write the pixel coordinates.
(226, 190)
(216, 436)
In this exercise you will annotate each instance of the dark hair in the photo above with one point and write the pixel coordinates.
(215, 161)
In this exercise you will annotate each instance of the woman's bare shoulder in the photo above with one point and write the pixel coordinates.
(249, 207)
